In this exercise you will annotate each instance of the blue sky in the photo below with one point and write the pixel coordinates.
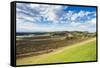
(48, 18)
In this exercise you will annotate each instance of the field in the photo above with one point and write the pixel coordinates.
(81, 50)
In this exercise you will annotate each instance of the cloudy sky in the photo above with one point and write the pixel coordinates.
(47, 18)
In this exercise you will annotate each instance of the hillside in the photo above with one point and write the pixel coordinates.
(83, 51)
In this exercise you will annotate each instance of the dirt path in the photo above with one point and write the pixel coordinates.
(36, 59)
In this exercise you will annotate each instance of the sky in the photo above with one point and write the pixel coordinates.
(49, 18)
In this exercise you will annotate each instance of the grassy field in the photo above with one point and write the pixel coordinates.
(83, 51)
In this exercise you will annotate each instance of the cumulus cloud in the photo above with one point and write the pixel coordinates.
(39, 17)
(81, 14)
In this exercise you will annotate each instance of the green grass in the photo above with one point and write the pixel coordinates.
(84, 51)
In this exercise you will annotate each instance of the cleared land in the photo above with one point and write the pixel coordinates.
(83, 51)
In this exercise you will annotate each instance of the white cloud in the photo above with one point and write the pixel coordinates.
(75, 23)
(80, 14)
(50, 13)
(68, 18)
(47, 11)
(34, 5)
(93, 21)
(21, 26)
